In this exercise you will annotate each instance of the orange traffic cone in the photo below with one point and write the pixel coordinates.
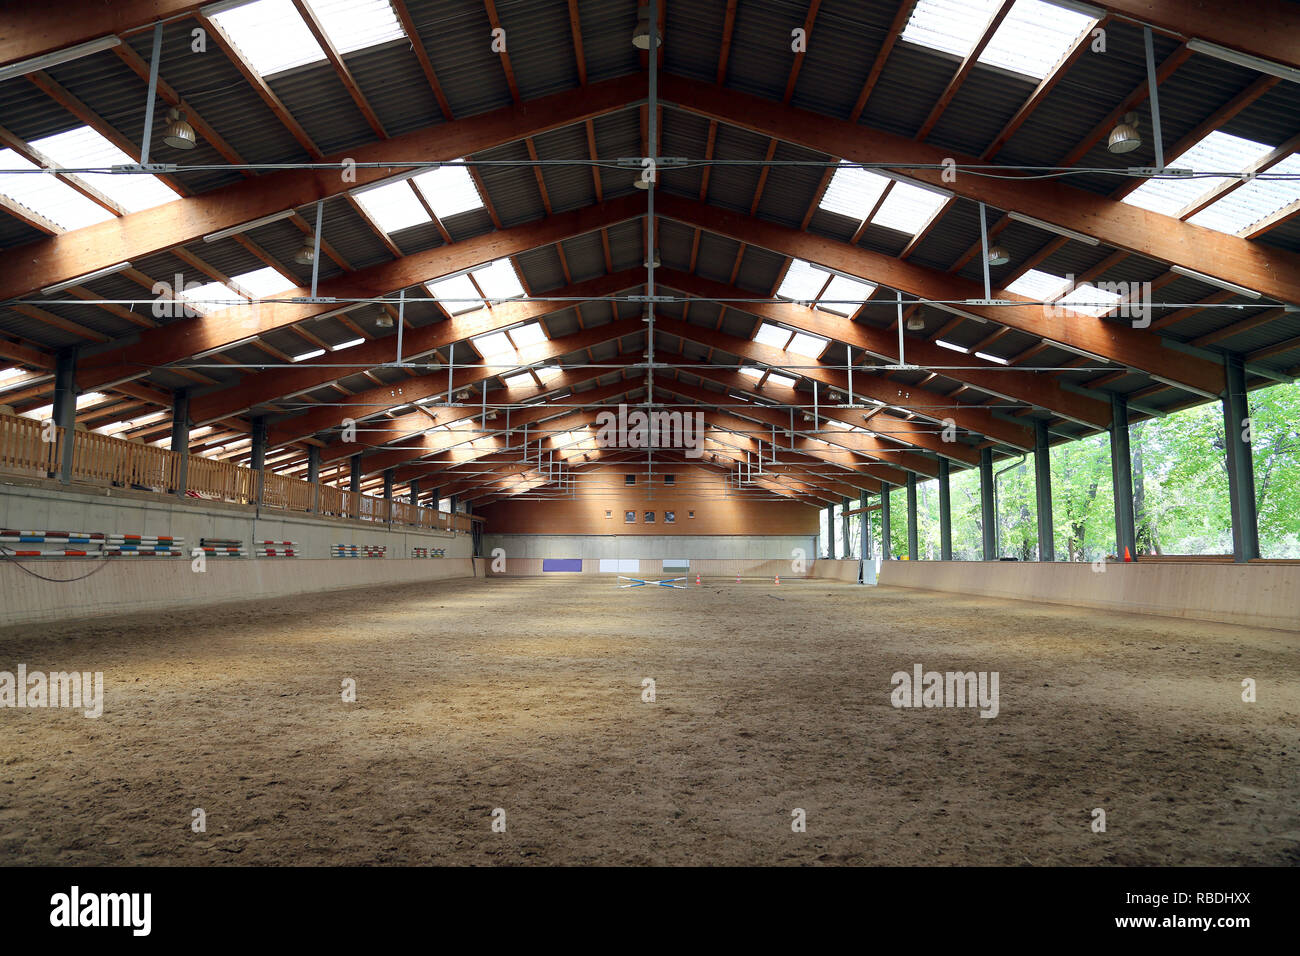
(1127, 556)
(778, 579)
(737, 577)
(697, 580)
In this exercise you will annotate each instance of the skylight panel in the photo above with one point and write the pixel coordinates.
(493, 344)
(346, 345)
(1254, 201)
(1039, 286)
(271, 35)
(802, 281)
(314, 353)
(356, 24)
(522, 380)
(952, 26)
(751, 371)
(457, 287)
(392, 206)
(83, 147)
(780, 379)
(853, 192)
(773, 335)
(807, 345)
(40, 414)
(48, 196)
(499, 281)
(1219, 152)
(908, 208)
(842, 287)
(547, 372)
(449, 190)
(263, 283)
(1090, 294)
(212, 297)
(1034, 37)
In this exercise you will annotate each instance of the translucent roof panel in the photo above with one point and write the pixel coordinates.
(953, 26)
(526, 335)
(271, 35)
(1217, 153)
(752, 371)
(522, 380)
(780, 379)
(803, 281)
(47, 196)
(356, 24)
(449, 190)
(1033, 37)
(493, 344)
(499, 280)
(853, 192)
(392, 206)
(457, 287)
(842, 288)
(1244, 207)
(83, 147)
(773, 335)
(212, 297)
(1039, 286)
(908, 208)
(1090, 294)
(809, 345)
(263, 283)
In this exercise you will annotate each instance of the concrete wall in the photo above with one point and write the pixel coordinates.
(134, 584)
(752, 556)
(1261, 595)
(695, 546)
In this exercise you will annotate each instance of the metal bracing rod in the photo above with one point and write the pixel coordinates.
(849, 367)
(898, 305)
(401, 321)
(1154, 96)
(652, 129)
(451, 366)
(147, 137)
(984, 245)
(315, 257)
(816, 410)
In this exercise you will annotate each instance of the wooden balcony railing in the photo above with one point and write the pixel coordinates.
(35, 449)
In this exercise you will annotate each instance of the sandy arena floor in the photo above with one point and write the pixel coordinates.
(526, 695)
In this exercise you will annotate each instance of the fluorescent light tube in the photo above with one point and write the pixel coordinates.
(88, 277)
(244, 227)
(1059, 230)
(1221, 283)
(58, 56)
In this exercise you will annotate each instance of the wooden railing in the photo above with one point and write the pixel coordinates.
(34, 449)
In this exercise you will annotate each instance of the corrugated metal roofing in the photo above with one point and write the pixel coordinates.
(845, 37)
(457, 37)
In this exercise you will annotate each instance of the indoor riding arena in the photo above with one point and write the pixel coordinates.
(649, 432)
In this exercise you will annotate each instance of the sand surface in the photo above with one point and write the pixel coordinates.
(526, 694)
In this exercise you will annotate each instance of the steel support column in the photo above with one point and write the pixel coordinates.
(884, 521)
(1241, 463)
(988, 513)
(313, 476)
(1121, 469)
(181, 438)
(912, 543)
(1043, 492)
(945, 512)
(830, 532)
(64, 412)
